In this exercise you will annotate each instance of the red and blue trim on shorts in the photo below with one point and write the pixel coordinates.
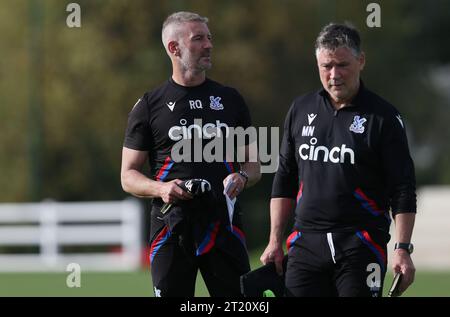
(210, 239)
(159, 241)
(374, 247)
(238, 233)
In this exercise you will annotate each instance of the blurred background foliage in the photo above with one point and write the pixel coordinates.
(65, 92)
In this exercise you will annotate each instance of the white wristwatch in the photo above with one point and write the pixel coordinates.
(245, 175)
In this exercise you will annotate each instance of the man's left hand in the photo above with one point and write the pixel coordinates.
(237, 184)
(403, 263)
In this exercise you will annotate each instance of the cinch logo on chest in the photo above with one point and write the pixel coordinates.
(335, 155)
(206, 131)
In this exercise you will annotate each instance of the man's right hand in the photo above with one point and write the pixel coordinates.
(170, 192)
(273, 253)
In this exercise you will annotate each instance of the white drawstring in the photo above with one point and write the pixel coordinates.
(331, 245)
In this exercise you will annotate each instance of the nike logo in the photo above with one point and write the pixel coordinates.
(171, 105)
(311, 118)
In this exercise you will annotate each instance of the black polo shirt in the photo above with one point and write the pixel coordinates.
(173, 113)
(346, 168)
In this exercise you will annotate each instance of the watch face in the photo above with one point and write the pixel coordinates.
(405, 246)
(243, 174)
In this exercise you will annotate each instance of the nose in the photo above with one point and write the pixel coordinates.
(208, 44)
(334, 73)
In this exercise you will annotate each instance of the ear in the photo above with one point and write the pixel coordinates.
(362, 61)
(173, 48)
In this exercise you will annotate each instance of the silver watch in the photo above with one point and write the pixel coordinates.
(245, 175)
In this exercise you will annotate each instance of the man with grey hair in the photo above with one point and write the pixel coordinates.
(191, 229)
(191, 65)
(344, 162)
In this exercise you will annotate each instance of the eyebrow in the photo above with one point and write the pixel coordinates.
(343, 63)
(201, 35)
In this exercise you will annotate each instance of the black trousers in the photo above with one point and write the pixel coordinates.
(336, 264)
(174, 265)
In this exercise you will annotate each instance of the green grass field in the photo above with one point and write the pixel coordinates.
(139, 284)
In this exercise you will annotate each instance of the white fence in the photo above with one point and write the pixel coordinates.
(51, 226)
(431, 235)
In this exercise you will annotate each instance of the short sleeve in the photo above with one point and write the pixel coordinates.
(244, 119)
(138, 135)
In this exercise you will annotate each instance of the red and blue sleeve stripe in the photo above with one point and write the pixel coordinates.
(229, 166)
(368, 203)
(209, 240)
(376, 248)
(160, 239)
(294, 236)
(300, 192)
(164, 170)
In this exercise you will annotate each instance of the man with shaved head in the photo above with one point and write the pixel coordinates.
(188, 231)
(189, 59)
